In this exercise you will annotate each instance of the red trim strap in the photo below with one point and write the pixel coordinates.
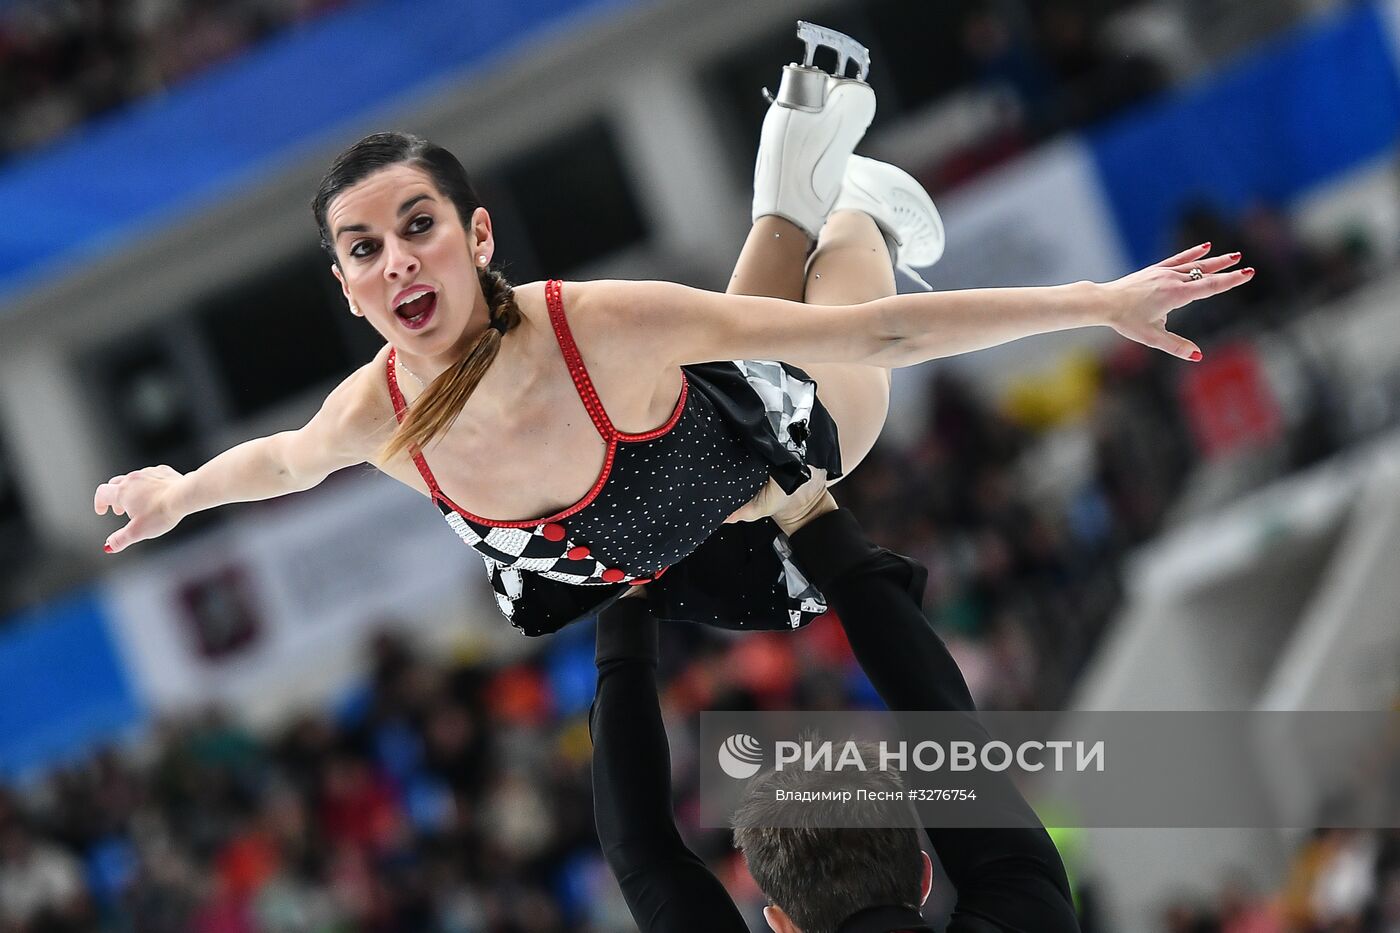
(400, 409)
(579, 373)
(554, 298)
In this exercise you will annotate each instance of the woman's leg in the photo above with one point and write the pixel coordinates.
(851, 265)
(811, 128)
(773, 260)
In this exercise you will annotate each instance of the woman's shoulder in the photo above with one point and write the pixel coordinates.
(530, 299)
(361, 405)
(586, 306)
(592, 295)
(606, 302)
(608, 317)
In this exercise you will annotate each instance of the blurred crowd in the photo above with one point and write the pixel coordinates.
(1051, 65)
(456, 799)
(66, 61)
(1339, 881)
(1048, 66)
(1013, 73)
(439, 800)
(1057, 60)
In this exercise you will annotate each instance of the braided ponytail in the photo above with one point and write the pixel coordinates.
(442, 401)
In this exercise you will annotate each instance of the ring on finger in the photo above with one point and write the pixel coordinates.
(1197, 274)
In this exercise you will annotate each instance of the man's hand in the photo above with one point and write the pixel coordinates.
(790, 512)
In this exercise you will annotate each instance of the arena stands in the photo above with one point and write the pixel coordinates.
(449, 793)
(67, 62)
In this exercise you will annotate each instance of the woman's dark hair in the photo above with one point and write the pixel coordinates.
(441, 402)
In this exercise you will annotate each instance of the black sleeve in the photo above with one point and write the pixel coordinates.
(1007, 879)
(667, 887)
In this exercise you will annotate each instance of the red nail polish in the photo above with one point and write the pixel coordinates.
(107, 548)
(1236, 255)
(1196, 356)
(1205, 245)
(1249, 271)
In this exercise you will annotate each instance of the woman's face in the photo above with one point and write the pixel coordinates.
(406, 261)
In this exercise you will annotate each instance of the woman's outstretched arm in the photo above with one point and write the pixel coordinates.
(343, 433)
(656, 320)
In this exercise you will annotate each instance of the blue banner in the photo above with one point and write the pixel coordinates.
(1295, 113)
(170, 153)
(63, 686)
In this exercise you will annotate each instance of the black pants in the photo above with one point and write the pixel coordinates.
(1007, 879)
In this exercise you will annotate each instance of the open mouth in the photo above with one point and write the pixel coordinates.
(417, 312)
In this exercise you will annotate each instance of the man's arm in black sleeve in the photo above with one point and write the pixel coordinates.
(1007, 879)
(666, 886)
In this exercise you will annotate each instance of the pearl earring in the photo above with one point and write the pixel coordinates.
(481, 259)
(355, 310)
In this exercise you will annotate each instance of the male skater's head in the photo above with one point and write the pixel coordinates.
(817, 877)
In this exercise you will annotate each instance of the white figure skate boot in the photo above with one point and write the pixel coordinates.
(900, 207)
(812, 126)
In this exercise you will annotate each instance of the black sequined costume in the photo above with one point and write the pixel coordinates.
(656, 513)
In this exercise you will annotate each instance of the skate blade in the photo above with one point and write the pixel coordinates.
(913, 275)
(847, 49)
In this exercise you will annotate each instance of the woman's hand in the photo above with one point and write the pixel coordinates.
(147, 498)
(1138, 304)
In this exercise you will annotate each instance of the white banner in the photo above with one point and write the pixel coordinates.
(1041, 220)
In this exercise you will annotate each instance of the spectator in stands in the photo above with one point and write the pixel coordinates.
(62, 63)
(1093, 82)
(39, 881)
(1242, 910)
(999, 49)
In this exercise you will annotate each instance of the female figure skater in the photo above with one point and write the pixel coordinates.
(590, 421)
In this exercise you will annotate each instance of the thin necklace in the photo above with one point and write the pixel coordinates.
(404, 366)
